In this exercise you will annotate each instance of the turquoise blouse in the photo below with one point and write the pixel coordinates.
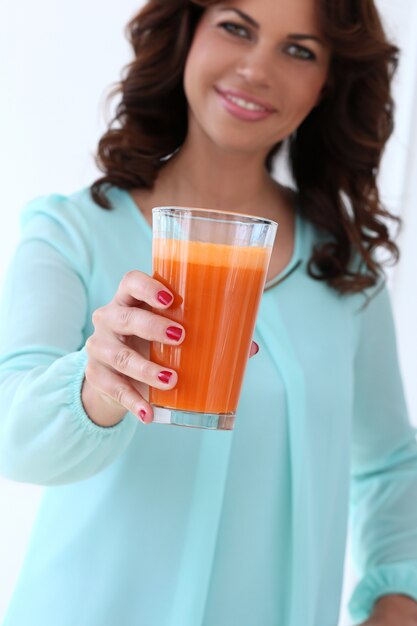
(154, 525)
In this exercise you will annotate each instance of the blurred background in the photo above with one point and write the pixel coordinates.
(56, 62)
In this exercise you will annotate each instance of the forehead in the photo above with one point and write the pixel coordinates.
(297, 14)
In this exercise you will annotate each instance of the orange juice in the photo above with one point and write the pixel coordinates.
(217, 291)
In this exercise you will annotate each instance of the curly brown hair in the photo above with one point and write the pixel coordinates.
(334, 155)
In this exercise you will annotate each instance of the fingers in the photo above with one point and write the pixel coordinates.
(119, 373)
(116, 371)
(123, 360)
(118, 390)
(137, 286)
(125, 320)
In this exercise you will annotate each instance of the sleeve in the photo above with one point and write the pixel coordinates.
(46, 437)
(383, 497)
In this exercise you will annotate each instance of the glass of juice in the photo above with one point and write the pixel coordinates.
(215, 263)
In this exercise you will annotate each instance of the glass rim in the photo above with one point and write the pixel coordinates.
(244, 218)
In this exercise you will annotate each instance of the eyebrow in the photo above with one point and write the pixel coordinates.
(252, 22)
(243, 15)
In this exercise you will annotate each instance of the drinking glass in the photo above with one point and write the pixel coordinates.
(215, 263)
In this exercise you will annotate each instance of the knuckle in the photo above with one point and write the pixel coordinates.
(91, 344)
(147, 370)
(97, 316)
(125, 317)
(130, 277)
(148, 326)
(122, 359)
(100, 315)
(123, 285)
(121, 394)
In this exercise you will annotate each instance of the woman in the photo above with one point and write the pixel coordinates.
(186, 527)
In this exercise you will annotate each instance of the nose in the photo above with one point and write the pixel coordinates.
(256, 68)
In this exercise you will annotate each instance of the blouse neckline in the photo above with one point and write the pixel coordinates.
(296, 258)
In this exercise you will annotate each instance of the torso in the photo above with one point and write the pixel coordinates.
(284, 214)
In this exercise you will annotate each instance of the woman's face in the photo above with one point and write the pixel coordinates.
(255, 70)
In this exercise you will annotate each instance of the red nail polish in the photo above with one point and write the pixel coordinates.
(164, 297)
(164, 377)
(142, 414)
(173, 332)
(257, 348)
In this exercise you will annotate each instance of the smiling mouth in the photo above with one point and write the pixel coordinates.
(243, 107)
(245, 103)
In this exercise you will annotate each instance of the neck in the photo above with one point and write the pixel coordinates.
(201, 175)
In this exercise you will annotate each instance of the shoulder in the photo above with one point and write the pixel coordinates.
(76, 213)
(75, 206)
(64, 223)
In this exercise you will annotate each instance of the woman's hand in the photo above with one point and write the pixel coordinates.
(393, 610)
(119, 372)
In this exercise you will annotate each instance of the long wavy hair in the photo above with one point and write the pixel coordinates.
(334, 155)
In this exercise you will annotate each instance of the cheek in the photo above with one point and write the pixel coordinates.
(207, 60)
(306, 93)
(194, 77)
(200, 77)
(198, 50)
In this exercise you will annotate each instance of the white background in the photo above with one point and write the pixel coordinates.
(56, 61)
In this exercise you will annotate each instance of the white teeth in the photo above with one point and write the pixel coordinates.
(250, 106)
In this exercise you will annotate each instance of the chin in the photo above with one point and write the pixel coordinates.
(236, 142)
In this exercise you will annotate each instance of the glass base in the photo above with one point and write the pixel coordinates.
(177, 417)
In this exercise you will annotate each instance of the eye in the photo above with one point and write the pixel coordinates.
(299, 52)
(237, 30)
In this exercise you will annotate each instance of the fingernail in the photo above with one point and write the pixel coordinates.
(142, 414)
(164, 377)
(173, 332)
(257, 348)
(164, 297)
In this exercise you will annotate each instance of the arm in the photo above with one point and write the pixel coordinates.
(383, 503)
(46, 437)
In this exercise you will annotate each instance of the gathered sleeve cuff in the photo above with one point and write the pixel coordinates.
(47, 437)
(392, 578)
